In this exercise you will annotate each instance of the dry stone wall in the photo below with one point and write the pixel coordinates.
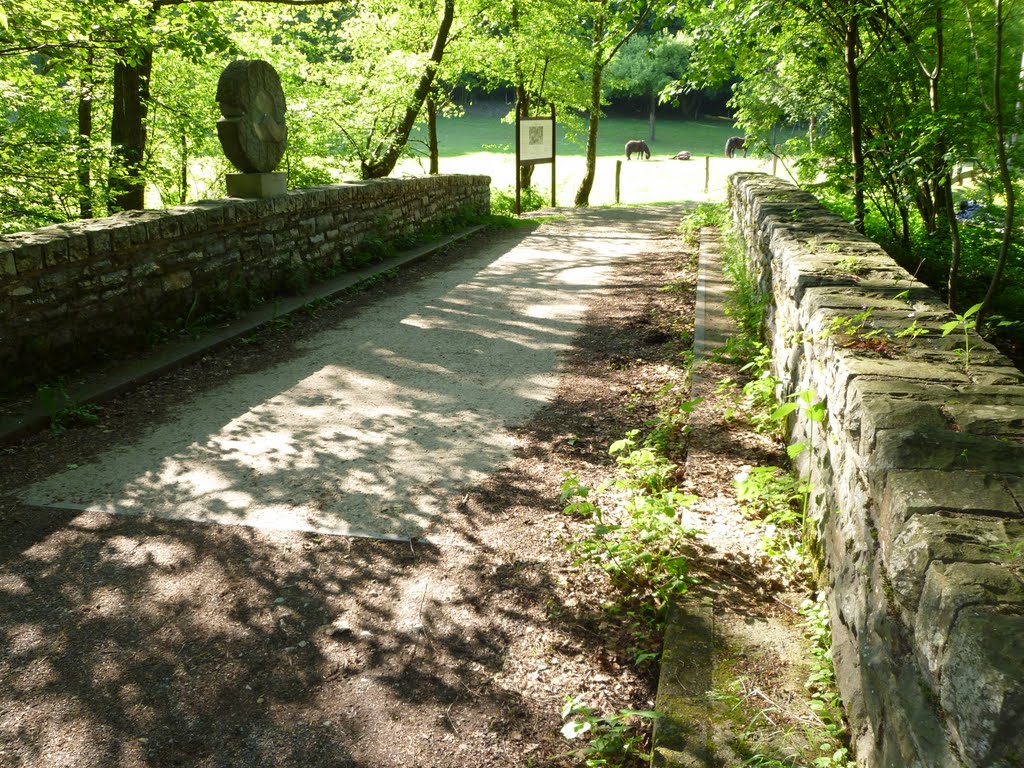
(918, 476)
(71, 293)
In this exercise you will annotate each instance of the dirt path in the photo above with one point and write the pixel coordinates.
(148, 641)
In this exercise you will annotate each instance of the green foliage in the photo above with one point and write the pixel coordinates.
(640, 544)
(670, 425)
(912, 331)
(825, 701)
(611, 740)
(64, 409)
(775, 498)
(745, 302)
(642, 464)
(704, 215)
(193, 324)
(646, 64)
(965, 323)
(788, 65)
(576, 497)
(760, 391)
(503, 201)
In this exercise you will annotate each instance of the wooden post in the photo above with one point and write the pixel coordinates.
(519, 207)
(618, 172)
(554, 152)
(707, 173)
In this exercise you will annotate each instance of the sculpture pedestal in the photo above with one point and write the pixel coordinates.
(257, 185)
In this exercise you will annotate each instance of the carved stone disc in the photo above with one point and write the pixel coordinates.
(252, 132)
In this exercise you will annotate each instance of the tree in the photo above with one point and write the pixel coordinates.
(645, 66)
(1004, 83)
(389, 148)
(534, 46)
(610, 25)
(908, 113)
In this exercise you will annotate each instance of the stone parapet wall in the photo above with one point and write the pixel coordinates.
(918, 487)
(71, 293)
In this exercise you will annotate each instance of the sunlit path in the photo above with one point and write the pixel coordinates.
(380, 420)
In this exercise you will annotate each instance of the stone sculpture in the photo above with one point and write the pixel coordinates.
(252, 130)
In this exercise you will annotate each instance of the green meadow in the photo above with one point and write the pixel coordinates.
(485, 145)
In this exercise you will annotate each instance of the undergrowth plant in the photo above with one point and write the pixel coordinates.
(774, 498)
(640, 541)
(704, 215)
(745, 301)
(779, 499)
(611, 740)
(64, 409)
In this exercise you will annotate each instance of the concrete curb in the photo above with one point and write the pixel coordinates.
(101, 386)
(683, 736)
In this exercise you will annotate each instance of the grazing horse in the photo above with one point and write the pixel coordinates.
(637, 147)
(734, 143)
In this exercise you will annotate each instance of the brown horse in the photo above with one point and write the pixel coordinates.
(637, 147)
(733, 143)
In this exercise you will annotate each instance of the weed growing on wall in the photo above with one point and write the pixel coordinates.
(964, 324)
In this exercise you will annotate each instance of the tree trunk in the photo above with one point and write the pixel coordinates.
(596, 72)
(383, 165)
(856, 121)
(944, 191)
(587, 184)
(432, 134)
(128, 133)
(85, 85)
(651, 118)
(183, 169)
(1003, 161)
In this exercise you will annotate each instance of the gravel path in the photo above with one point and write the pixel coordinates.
(374, 426)
(137, 641)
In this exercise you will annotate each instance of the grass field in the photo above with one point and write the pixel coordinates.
(485, 145)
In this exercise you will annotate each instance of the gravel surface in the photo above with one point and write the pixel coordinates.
(148, 640)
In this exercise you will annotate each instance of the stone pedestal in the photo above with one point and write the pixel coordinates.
(257, 185)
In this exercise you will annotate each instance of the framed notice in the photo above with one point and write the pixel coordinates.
(536, 140)
(535, 144)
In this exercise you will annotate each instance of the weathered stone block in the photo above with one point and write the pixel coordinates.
(28, 258)
(8, 265)
(927, 538)
(985, 419)
(983, 687)
(948, 589)
(909, 493)
(882, 411)
(935, 449)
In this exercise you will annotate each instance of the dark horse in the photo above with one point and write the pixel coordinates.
(734, 143)
(637, 147)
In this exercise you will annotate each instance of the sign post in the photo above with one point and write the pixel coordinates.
(535, 144)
